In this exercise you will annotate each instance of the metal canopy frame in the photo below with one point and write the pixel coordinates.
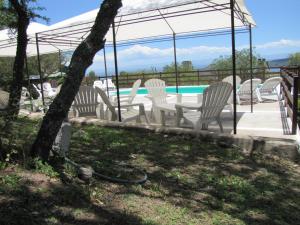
(60, 38)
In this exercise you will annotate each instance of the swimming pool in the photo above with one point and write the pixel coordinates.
(171, 89)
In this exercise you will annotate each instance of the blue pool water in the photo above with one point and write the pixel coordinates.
(181, 90)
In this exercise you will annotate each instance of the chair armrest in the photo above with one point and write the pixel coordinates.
(191, 106)
(178, 97)
(124, 96)
(129, 105)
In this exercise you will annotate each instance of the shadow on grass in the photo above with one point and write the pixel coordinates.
(27, 202)
(197, 176)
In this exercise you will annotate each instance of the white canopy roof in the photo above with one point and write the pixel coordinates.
(143, 19)
(8, 39)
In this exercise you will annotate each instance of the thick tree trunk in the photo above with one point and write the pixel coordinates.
(18, 68)
(81, 60)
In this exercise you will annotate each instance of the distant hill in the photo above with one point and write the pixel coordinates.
(278, 62)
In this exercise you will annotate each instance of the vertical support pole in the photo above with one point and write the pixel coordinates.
(232, 2)
(28, 81)
(105, 69)
(251, 66)
(40, 69)
(175, 61)
(59, 60)
(116, 69)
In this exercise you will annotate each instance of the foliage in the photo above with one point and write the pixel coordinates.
(294, 59)
(9, 183)
(242, 61)
(16, 142)
(91, 77)
(43, 167)
(50, 63)
(6, 65)
(184, 66)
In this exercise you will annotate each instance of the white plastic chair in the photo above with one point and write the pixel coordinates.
(47, 90)
(244, 92)
(269, 89)
(109, 84)
(126, 115)
(229, 80)
(99, 84)
(157, 93)
(128, 99)
(215, 97)
(86, 103)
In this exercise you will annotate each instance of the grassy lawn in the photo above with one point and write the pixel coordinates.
(190, 182)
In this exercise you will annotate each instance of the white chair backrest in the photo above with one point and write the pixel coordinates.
(47, 86)
(85, 101)
(229, 80)
(108, 83)
(107, 102)
(135, 88)
(270, 84)
(245, 88)
(25, 92)
(37, 90)
(215, 97)
(98, 83)
(4, 97)
(157, 90)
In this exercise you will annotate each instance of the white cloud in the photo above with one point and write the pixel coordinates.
(138, 53)
(283, 43)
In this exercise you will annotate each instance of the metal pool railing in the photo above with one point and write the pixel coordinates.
(194, 77)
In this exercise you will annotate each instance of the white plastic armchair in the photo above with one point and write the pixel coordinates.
(244, 92)
(128, 99)
(126, 115)
(108, 83)
(47, 90)
(157, 93)
(269, 89)
(229, 80)
(86, 103)
(215, 97)
(99, 84)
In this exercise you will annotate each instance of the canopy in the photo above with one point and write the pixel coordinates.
(144, 20)
(8, 39)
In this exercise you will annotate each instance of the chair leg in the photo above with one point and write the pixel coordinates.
(163, 117)
(138, 119)
(238, 99)
(204, 126)
(220, 125)
(146, 119)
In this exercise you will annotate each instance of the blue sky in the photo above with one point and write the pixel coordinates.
(276, 36)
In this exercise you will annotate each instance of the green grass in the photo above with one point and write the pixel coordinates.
(190, 183)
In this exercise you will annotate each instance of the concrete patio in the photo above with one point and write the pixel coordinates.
(267, 120)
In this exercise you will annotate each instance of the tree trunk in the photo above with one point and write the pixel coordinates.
(81, 60)
(18, 68)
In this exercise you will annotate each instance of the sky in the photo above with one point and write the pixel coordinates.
(276, 36)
